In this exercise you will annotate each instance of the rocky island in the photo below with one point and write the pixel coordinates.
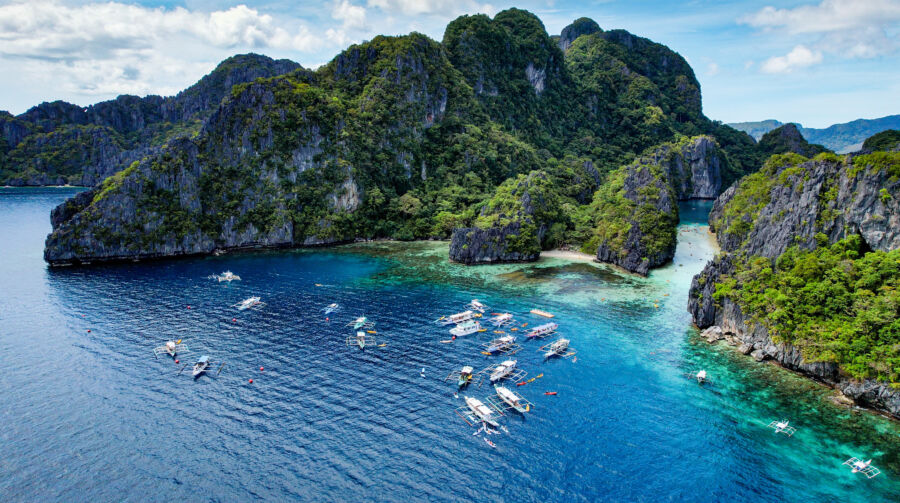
(809, 270)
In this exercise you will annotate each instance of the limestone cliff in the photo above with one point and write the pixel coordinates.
(636, 211)
(511, 226)
(765, 224)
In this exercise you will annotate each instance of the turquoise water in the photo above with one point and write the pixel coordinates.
(94, 416)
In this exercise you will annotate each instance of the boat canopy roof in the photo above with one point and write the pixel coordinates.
(203, 359)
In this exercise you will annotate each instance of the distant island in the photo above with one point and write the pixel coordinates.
(841, 138)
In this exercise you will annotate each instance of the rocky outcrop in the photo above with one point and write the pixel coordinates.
(471, 245)
(579, 27)
(806, 205)
(638, 211)
(694, 167)
(512, 225)
(787, 138)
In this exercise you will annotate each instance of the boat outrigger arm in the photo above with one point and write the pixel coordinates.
(202, 366)
(505, 370)
(559, 347)
(171, 348)
(783, 426)
(476, 412)
(465, 377)
(864, 467)
(250, 303)
(361, 339)
(506, 399)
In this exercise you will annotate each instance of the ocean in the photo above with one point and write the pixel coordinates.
(89, 413)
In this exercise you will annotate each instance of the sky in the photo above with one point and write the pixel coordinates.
(815, 62)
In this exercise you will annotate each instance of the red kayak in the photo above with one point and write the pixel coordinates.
(549, 392)
(523, 383)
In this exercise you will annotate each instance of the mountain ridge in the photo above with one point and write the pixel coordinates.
(842, 138)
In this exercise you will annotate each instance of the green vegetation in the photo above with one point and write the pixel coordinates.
(837, 303)
(885, 140)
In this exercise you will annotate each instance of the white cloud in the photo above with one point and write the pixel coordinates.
(49, 29)
(800, 57)
(828, 16)
(712, 69)
(845, 28)
(352, 16)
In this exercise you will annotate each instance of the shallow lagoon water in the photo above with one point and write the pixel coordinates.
(94, 416)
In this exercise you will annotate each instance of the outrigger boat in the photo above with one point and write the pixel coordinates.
(541, 331)
(251, 303)
(456, 318)
(512, 399)
(783, 426)
(559, 347)
(481, 411)
(227, 276)
(469, 327)
(330, 308)
(361, 322)
(864, 467)
(502, 319)
(475, 305)
(465, 377)
(361, 339)
(202, 366)
(170, 348)
(503, 370)
(501, 344)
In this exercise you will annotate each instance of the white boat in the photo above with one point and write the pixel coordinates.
(557, 348)
(500, 344)
(481, 411)
(360, 322)
(248, 303)
(510, 399)
(475, 305)
(501, 319)
(171, 348)
(469, 327)
(701, 378)
(457, 318)
(542, 330)
(228, 276)
(503, 370)
(361, 339)
(330, 308)
(201, 366)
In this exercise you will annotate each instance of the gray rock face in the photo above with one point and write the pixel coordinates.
(471, 245)
(518, 238)
(825, 197)
(579, 27)
(696, 169)
(55, 143)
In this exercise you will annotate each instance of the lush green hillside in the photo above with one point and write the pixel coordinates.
(61, 143)
(408, 138)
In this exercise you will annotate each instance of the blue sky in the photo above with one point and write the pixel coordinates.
(815, 62)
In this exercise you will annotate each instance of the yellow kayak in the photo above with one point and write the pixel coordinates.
(382, 345)
(371, 331)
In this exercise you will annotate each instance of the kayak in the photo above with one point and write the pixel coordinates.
(521, 383)
(549, 392)
(447, 342)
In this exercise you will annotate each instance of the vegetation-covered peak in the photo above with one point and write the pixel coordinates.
(787, 138)
(579, 27)
(886, 140)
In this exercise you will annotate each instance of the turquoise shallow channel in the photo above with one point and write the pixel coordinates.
(89, 414)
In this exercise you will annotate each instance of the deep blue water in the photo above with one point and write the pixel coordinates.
(93, 416)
